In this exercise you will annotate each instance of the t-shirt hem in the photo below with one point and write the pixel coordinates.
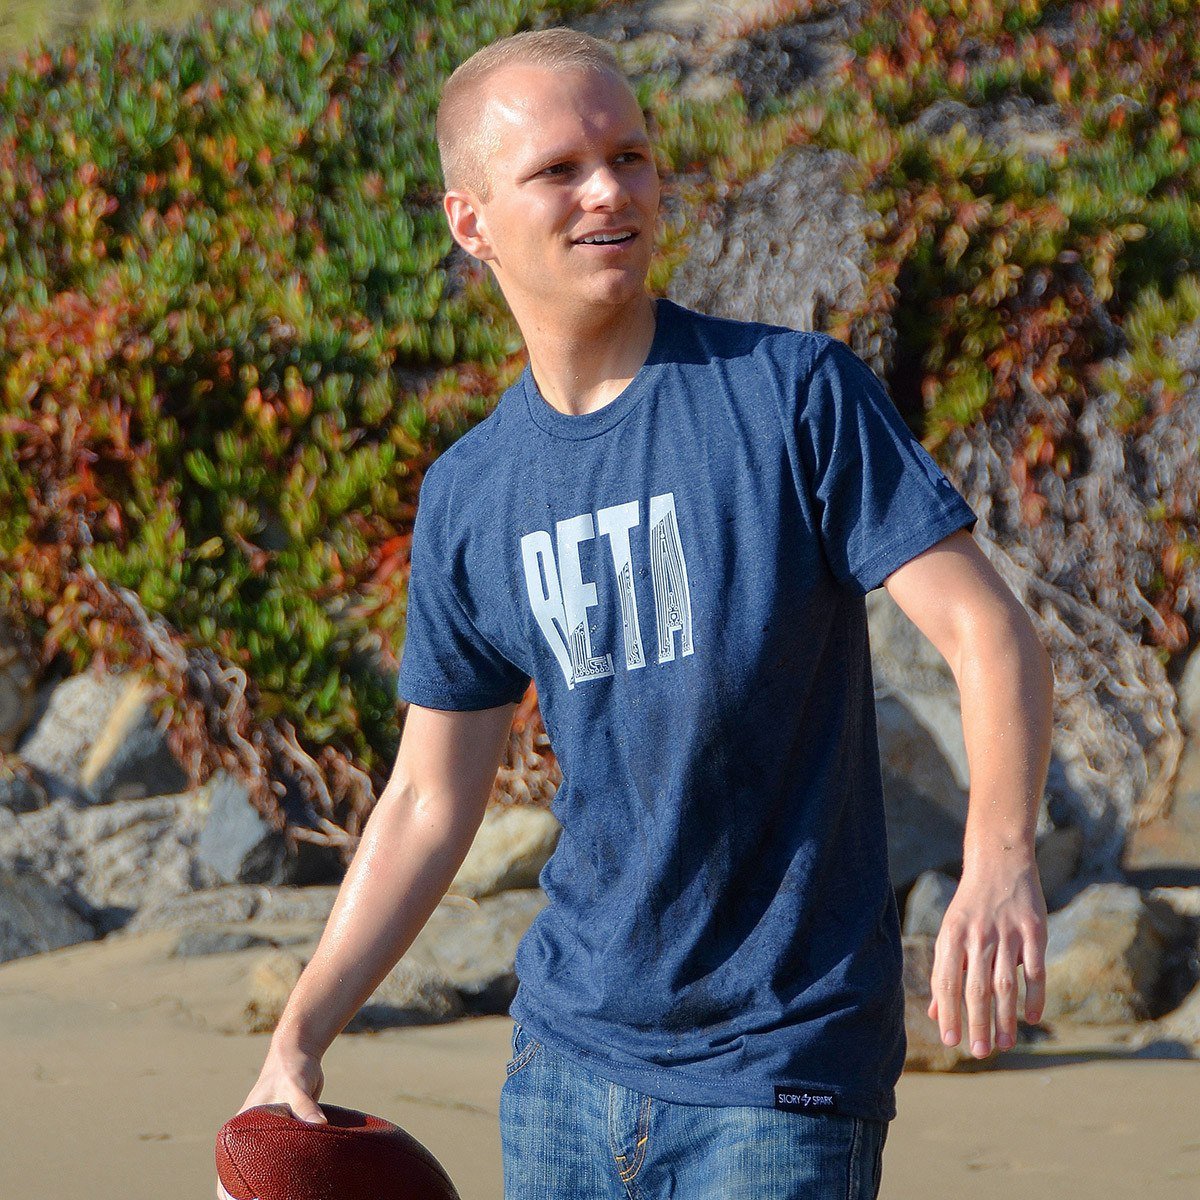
(432, 697)
(677, 1087)
(879, 567)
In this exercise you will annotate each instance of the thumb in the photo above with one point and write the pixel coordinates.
(311, 1113)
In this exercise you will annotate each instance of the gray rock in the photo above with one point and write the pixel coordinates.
(1183, 1023)
(195, 943)
(73, 713)
(20, 790)
(237, 843)
(1104, 957)
(130, 758)
(111, 859)
(1059, 856)
(927, 904)
(787, 247)
(926, 810)
(34, 917)
(410, 995)
(512, 845)
(235, 903)
(906, 665)
(473, 945)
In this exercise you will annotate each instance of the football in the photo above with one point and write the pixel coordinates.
(265, 1153)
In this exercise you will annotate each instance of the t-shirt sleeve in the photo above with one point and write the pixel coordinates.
(880, 497)
(447, 662)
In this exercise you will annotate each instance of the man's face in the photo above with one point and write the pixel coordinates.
(572, 159)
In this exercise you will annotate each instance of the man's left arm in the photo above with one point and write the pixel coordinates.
(997, 918)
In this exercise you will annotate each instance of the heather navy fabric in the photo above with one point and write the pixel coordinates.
(682, 573)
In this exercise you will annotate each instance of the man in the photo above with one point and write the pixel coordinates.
(669, 523)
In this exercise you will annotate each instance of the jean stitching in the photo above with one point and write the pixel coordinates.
(643, 1137)
(852, 1173)
(517, 1063)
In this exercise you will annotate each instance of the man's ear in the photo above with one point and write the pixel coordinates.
(466, 225)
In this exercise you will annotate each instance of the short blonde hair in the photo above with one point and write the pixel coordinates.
(464, 141)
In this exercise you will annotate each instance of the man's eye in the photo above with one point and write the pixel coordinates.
(557, 168)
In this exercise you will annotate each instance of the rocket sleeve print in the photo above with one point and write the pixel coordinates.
(879, 496)
(447, 662)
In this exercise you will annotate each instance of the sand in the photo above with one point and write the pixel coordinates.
(116, 1080)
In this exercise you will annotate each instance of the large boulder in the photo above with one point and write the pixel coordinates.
(926, 810)
(473, 946)
(512, 845)
(1104, 957)
(225, 905)
(130, 757)
(112, 859)
(34, 917)
(70, 716)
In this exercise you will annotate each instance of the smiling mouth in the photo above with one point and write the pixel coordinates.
(624, 240)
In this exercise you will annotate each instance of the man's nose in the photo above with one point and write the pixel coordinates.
(605, 187)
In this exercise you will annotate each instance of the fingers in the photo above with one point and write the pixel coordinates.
(1033, 957)
(1004, 985)
(946, 986)
(980, 958)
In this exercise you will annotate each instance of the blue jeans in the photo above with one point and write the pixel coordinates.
(567, 1134)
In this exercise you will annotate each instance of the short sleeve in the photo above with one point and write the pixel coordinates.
(880, 497)
(447, 662)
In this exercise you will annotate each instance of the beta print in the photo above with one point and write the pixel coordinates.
(559, 596)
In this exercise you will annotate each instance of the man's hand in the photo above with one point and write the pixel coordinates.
(996, 921)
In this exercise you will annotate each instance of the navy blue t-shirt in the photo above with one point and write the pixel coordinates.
(682, 574)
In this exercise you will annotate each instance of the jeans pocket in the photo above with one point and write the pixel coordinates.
(524, 1048)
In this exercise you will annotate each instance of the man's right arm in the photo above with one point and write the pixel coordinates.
(412, 846)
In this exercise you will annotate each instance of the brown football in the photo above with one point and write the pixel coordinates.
(265, 1153)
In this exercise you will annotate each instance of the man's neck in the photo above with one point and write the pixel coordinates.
(580, 366)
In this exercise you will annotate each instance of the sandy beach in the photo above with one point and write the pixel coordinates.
(117, 1077)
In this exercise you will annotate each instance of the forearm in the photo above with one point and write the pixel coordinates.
(1006, 684)
(409, 853)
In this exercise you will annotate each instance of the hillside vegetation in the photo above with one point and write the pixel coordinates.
(233, 332)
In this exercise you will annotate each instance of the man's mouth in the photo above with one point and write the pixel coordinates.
(608, 239)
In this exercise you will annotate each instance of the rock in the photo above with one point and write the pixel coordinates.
(513, 844)
(1183, 1023)
(20, 789)
(75, 710)
(906, 665)
(271, 984)
(926, 1051)
(131, 759)
(111, 859)
(926, 810)
(1059, 855)
(34, 917)
(18, 689)
(237, 843)
(1104, 957)
(927, 904)
(1188, 690)
(195, 943)
(473, 946)
(237, 903)
(786, 247)
(410, 995)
